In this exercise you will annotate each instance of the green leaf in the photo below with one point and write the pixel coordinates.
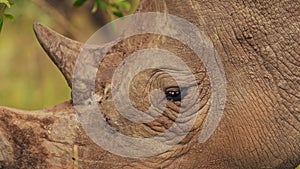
(101, 5)
(95, 7)
(9, 17)
(118, 14)
(121, 5)
(116, 1)
(124, 5)
(6, 2)
(116, 6)
(1, 23)
(77, 3)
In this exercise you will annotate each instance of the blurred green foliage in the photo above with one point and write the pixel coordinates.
(28, 79)
(4, 4)
(116, 8)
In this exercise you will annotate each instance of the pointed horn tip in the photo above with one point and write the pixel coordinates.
(40, 30)
(37, 27)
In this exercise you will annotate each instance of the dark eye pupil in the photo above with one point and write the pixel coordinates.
(173, 94)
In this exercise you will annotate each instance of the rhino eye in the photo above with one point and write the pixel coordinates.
(173, 94)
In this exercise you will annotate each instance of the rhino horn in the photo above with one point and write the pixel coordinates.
(62, 50)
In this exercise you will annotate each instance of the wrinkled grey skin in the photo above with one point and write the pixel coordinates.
(258, 44)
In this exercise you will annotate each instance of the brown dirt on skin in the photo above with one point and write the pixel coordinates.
(27, 144)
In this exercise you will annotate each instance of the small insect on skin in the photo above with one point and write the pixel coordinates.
(173, 94)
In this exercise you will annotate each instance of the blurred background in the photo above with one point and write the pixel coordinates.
(28, 78)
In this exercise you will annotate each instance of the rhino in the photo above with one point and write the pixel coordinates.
(257, 43)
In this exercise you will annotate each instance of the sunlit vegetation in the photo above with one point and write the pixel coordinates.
(29, 80)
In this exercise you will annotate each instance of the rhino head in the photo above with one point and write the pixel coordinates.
(259, 128)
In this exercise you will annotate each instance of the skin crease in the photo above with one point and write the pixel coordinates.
(258, 44)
